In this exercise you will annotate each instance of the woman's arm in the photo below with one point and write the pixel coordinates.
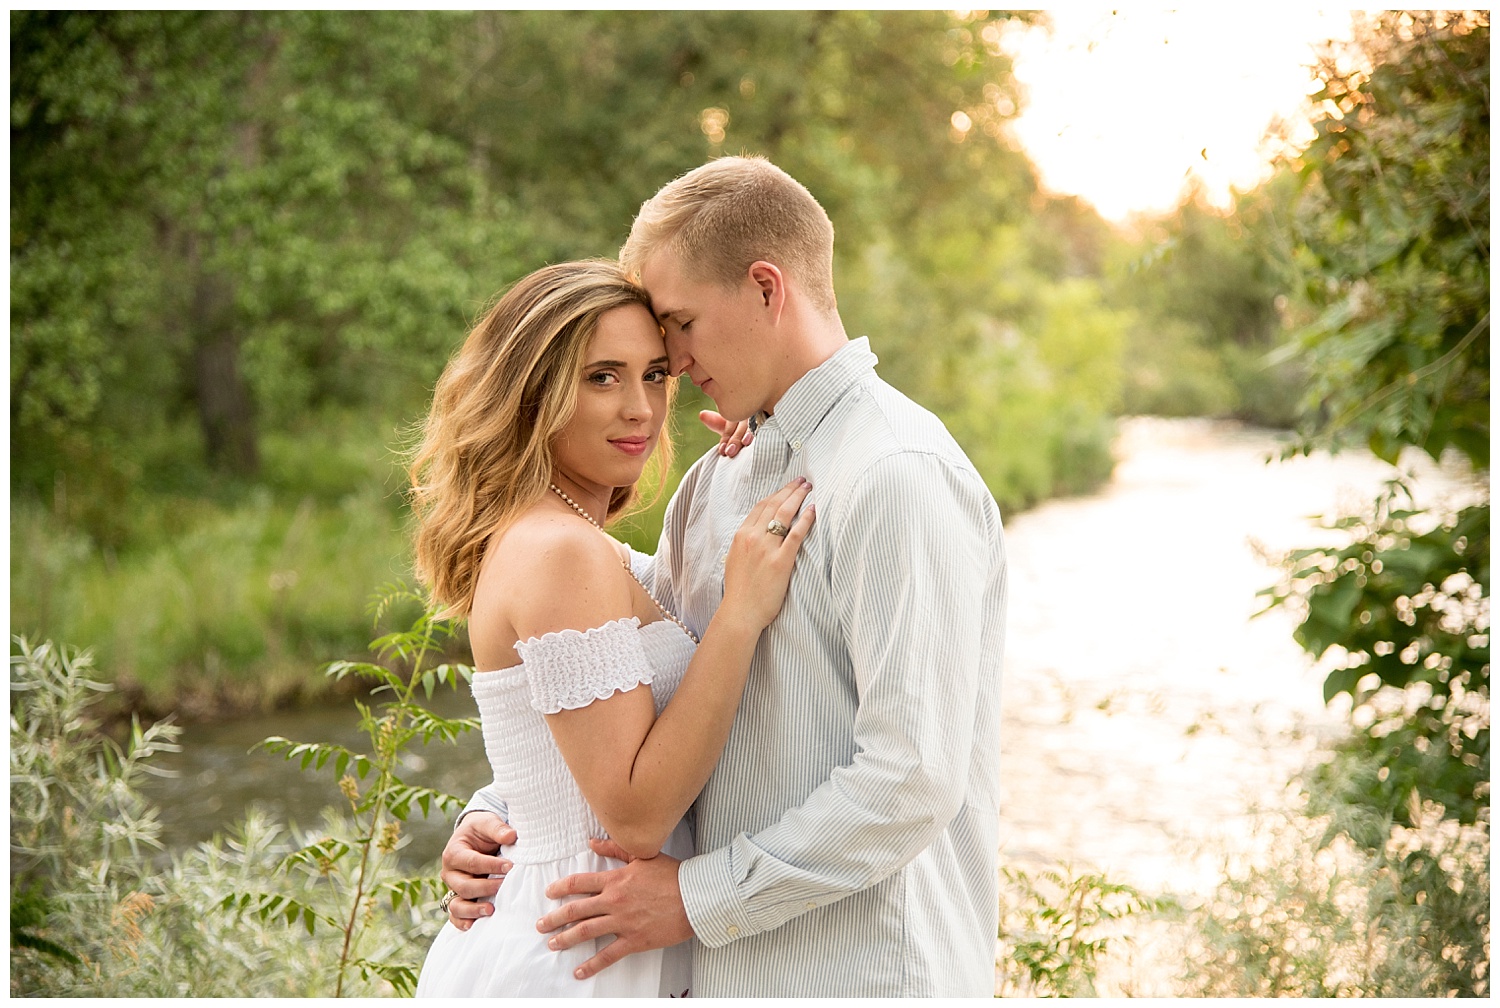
(640, 773)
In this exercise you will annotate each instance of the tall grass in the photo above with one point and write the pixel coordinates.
(234, 608)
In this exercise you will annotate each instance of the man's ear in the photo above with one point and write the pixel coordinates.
(771, 283)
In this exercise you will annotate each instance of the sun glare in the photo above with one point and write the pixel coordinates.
(1123, 108)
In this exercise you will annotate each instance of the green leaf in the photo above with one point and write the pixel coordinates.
(316, 754)
(1344, 680)
(365, 670)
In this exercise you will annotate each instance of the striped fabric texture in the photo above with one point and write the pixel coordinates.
(850, 829)
(849, 832)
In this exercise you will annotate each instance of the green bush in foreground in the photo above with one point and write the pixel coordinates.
(1405, 913)
(1055, 930)
(357, 857)
(99, 911)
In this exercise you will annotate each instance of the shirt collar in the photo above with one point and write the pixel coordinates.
(804, 405)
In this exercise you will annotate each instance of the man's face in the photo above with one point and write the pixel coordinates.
(713, 335)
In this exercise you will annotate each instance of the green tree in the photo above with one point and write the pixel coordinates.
(1203, 285)
(229, 216)
(243, 245)
(1393, 254)
(1394, 242)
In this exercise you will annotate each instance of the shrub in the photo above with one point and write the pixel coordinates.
(99, 910)
(1319, 914)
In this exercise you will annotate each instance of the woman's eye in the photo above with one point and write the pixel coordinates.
(657, 375)
(602, 377)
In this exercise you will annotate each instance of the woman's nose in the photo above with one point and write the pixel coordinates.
(637, 403)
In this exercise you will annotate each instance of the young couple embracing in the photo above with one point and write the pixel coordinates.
(763, 761)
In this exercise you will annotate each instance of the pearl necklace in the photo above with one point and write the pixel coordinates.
(623, 562)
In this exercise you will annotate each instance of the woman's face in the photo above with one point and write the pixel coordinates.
(622, 404)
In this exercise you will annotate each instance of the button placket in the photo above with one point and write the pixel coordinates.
(768, 461)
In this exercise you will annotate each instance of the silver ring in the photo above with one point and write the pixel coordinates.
(777, 529)
(449, 898)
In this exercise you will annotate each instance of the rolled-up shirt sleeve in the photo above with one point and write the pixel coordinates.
(910, 554)
(486, 799)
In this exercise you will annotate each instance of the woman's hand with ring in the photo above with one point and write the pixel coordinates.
(758, 569)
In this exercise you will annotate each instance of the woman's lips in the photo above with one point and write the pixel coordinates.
(632, 445)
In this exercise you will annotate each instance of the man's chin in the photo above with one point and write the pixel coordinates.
(729, 411)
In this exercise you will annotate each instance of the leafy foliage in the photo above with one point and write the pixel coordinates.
(1395, 225)
(95, 910)
(354, 861)
(1337, 903)
(1054, 929)
(1393, 260)
(1407, 612)
(95, 914)
(1202, 286)
(1393, 234)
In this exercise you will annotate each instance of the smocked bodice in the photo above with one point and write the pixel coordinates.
(565, 670)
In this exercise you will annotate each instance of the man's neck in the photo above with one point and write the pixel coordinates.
(812, 346)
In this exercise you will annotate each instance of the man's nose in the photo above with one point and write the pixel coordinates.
(678, 359)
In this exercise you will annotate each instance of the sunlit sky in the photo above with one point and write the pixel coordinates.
(1120, 105)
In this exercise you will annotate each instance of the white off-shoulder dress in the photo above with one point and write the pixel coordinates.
(504, 955)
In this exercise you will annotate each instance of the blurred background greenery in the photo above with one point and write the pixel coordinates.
(244, 245)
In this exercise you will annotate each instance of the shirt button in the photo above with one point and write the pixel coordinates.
(733, 931)
(811, 905)
(796, 446)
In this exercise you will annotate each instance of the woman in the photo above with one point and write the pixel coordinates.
(540, 428)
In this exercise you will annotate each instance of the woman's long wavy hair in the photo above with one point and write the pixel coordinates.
(485, 454)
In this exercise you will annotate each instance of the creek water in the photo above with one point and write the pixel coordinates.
(1145, 711)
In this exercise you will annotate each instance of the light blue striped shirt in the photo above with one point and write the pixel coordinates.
(850, 828)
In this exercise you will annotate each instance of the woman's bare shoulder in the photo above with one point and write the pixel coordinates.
(550, 571)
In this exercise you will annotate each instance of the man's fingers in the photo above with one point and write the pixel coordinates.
(469, 887)
(471, 862)
(483, 831)
(569, 912)
(584, 884)
(501, 835)
(608, 956)
(608, 848)
(463, 913)
(585, 930)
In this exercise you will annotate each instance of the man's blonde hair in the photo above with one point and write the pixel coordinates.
(721, 217)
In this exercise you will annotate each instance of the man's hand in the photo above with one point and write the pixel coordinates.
(468, 862)
(640, 904)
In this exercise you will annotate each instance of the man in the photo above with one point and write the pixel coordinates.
(849, 829)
